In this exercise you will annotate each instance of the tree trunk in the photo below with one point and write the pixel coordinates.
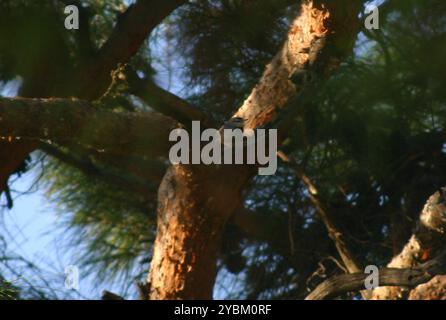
(91, 81)
(196, 202)
(194, 206)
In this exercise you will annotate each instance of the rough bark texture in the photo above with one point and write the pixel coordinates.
(195, 203)
(305, 40)
(409, 278)
(194, 207)
(428, 237)
(421, 260)
(92, 79)
(432, 290)
(69, 122)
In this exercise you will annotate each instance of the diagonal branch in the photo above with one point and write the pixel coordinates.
(334, 232)
(165, 102)
(132, 29)
(318, 40)
(320, 36)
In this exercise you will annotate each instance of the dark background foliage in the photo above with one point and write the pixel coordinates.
(372, 139)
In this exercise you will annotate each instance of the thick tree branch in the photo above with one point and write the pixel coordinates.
(408, 278)
(132, 29)
(147, 168)
(196, 202)
(432, 290)
(317, 41)
(92, 79)
(426, 241)
(165, 102)
(67, 122)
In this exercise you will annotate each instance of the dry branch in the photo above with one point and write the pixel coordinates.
(408, 278)
(426, 241)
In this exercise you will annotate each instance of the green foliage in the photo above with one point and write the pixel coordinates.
(7, 290)
(226, 46)
(111, 228)
(372, 139)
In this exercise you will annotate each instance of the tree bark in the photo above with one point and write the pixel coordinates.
(72, 121)
(196, 202)
(409, 278)
(426, 241)
(421, 260)
(130, 32)
(91, 80)
(432, 290)
(194, 206)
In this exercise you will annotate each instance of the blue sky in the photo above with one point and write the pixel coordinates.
(31, 230)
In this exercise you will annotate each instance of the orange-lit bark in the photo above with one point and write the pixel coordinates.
(195, 203)
(424, 244)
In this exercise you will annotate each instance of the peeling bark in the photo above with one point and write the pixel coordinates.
(427, 239)
(432, 290)
(409, 277)
(196, 202)
(305, 40)
(194, 206)
(71, 121)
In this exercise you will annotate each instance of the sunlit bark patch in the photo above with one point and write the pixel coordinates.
(275, 88)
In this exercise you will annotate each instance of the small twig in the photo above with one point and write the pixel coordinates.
(334, 232)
